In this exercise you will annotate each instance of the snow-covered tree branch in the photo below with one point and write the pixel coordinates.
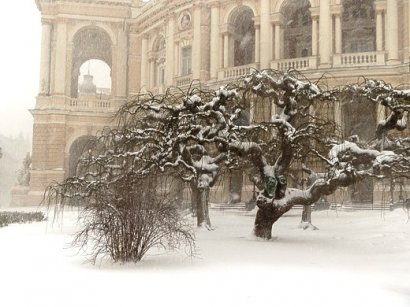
(198, 134)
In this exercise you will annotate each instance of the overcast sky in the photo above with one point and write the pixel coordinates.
(20, 34)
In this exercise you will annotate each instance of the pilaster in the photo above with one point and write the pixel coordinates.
(214, 41)
(122, 58)
(45, 60)
(60, 58)
(337, 11)
(392, 32)
(170, 70)
(277, 23)
(265, 34)
(257, 24)
(315, 26)
(196, 48)
(324, 34)
(144, 62)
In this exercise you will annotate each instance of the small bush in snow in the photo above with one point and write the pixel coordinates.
(7, 218)
(125, 220)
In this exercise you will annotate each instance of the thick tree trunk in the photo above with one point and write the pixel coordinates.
(265, 218)
(306, 222)
(200, 198)
(194, 199)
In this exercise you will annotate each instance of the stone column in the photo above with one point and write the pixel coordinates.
(134, 62)
(392, 32)
(257, 43)
(61, 59)
(152, 72)
(408, 27)
(338, 34)
(170, 70)
(196, 48)
(177, 65)
(144, 62)
(278, 40)
(44, 88)
(226, 50)
(315, 20)
(381, 43)
(379, 30)
(122, 51)
(214, 46)
(324, 34)
(265, 35)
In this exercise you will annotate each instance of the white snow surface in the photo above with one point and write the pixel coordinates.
(355, 259)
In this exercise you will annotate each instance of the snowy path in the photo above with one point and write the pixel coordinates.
(355, 259)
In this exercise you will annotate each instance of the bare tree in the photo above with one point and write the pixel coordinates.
(344, 162)
(188, 132)
(197, 134)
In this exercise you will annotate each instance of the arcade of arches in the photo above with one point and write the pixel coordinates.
(156, 44)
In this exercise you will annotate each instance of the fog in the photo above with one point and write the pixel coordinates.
(20, 32)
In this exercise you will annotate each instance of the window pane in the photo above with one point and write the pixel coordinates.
(186, 60)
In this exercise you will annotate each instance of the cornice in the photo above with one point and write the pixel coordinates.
(157, 11)
(126, 3)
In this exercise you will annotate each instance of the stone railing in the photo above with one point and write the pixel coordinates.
(99, 105)
(358, 59)
(183, 81)
(236, 71)
(297, 63)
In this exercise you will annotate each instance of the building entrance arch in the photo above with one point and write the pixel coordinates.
(89, 43)
(79, 149)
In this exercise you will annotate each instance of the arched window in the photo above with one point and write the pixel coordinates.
(358, 26)
(159, 61)
(90, 43)
(297, 28)
(243, 36)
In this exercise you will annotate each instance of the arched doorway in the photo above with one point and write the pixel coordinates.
(78, 149)
(297, 29)
(242, 20)
(90, 43)
(358, 26)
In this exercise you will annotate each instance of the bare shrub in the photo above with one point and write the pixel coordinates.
(125, 220)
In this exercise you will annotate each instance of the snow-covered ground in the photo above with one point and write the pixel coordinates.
(355, 259)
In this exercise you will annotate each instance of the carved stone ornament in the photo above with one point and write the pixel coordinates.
(185, 21)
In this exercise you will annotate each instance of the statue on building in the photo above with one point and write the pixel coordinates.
(23, 176)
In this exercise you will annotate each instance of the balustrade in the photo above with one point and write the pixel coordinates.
(359, 59)
(237, 71)
(183, 81)
(297, 63)
(103, 105)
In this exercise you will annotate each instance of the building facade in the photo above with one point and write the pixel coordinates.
(160, 43)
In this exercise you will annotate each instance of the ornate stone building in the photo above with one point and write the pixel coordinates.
(159, 43)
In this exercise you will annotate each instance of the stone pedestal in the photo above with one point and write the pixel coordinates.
(19, 196)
